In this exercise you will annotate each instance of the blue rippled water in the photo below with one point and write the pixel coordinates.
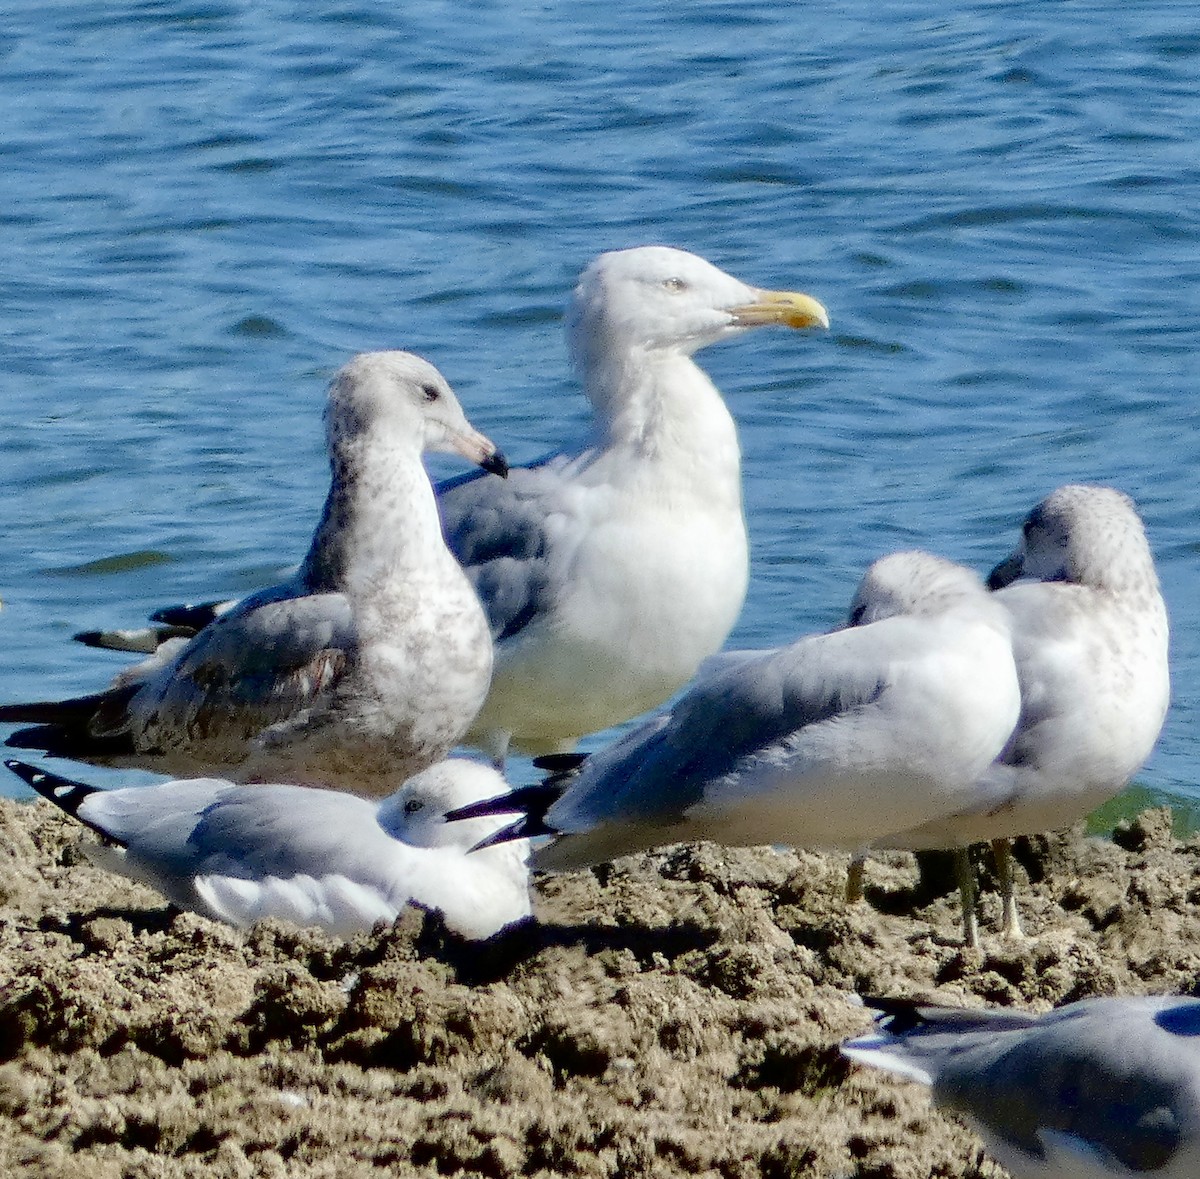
(207, 206)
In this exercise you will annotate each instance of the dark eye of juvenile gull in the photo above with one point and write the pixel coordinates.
(431, 394)
(412, 806)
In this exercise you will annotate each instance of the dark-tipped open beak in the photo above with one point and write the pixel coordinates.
(1006, 572)
(496, 464)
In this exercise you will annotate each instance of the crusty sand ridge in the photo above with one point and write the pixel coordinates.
(673, 1014)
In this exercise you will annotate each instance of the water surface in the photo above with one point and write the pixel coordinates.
(208, 206)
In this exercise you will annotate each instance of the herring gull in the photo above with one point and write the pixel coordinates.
(241, 853)
(822, 743)
(1104, 1088)
(1090, 642)
(364, 667)
(610, 572)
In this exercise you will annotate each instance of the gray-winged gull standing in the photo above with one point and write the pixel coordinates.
(1090, 641)
(821, 743)
(1098, 1089)
(609, 572)
(364, 667)
(240, 853)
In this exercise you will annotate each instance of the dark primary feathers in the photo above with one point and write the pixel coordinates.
(83, 726)
(63, 792)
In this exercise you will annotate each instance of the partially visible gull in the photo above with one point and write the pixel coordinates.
(316, 857)
(1090, 641)
(1099, 1089)
(364, 667)
(610, 572)
(823, 743)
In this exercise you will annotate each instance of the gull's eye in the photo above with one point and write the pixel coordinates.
(430, 393)
(413, 804)
(674, 285)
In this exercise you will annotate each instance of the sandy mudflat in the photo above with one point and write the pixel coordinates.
(675, 1014)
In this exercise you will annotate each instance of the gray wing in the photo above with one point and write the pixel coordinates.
(1118, 1076)
(748, 703)
(156, 821)
(1105, 1074)
(283, 830)
(501, 531)
(270, 658)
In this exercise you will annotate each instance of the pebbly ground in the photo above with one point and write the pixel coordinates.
(674, 1014)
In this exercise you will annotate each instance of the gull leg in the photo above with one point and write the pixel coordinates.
(497, 747)
(1010, 926)
(856, 877)
(966, 891)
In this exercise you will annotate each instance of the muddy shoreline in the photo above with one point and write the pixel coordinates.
(672, 1014)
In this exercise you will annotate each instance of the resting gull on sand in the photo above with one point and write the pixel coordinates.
(316, 857)
(611, 571)
(823, 743)
(364, 667)
(1090, 642)
(1099, 1089)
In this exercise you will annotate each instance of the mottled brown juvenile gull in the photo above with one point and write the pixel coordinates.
(1090, 640)
(609, 572)
(316, 857)
(364, 667)
(822, 743)
(1099, 1089)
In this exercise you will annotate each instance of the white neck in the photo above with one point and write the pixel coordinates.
(667, 411)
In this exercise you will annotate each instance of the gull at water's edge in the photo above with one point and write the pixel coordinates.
(611, 571)
(364, 667)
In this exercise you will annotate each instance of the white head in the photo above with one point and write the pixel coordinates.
(402, 396)
(659, 298)
(1085, 535)
(416, 813)
(913, 582)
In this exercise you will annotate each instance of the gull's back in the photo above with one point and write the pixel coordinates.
(1100, 1089)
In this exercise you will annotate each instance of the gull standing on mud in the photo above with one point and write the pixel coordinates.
(364, 667)
(1090, 640)
(240, 854)
(609, 572)
(1099, 1089)
(821, 744)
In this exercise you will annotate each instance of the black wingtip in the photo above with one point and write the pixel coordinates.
(63, 792)
(501, 804)
(139, 642)
(75, 743)
(560, 769)
(34, 738)
(192, 617)
(559, 763)
(902, 1015)
(524, 828)
(27, 773)
(532, 801)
